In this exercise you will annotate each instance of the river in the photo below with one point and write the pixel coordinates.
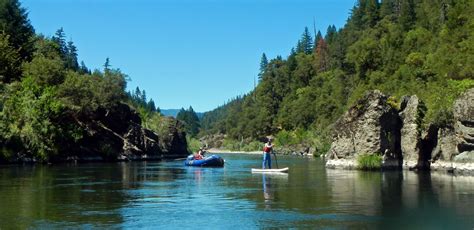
(168, 195)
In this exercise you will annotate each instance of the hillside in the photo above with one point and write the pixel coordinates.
(54, 109)
(400, 47)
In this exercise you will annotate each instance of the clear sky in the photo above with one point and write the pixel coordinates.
(185, 52)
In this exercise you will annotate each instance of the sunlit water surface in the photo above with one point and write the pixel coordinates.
(168, 195)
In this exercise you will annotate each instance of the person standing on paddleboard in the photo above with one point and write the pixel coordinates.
(267, 151)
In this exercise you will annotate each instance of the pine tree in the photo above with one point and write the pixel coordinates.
(322, 56)
(371, 16)
(318, 37)
(60, 39)
(330, 34)
(138, 94)
(72, 57)
(143, 98)
(190, 120)
(10, 63)
(83, 68)
(407, 14)
(151, 105)
(292, 60)
(107, 65)
(14, 22)
(388, 8)
(263, 66)
(305, 44)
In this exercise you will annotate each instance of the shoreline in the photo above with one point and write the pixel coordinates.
(214, 150)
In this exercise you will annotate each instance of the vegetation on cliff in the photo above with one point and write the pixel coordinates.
(401, 47)
(49, 103)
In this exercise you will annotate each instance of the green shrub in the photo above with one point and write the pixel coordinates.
(230, 144)
(252, 146)
(193, 144)
(369, 162)
(393, 102)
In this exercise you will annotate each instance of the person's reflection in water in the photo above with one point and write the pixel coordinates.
(198, 175)
(267, 191)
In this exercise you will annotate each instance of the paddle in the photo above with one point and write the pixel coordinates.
(276, 161)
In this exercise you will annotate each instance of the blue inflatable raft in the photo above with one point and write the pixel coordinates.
(210, 161)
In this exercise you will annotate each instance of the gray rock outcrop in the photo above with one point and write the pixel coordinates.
(117, 135)
(412, 112)
(463, 113)
(455, 149)
(371, 126)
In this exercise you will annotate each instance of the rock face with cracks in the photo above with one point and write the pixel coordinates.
(373, 126)
(117, 135)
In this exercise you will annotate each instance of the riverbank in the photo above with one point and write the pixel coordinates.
(448, 167)
(215, 150)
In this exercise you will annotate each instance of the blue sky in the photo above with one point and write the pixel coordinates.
(185, 52)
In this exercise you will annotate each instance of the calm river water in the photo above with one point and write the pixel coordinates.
(168, 195)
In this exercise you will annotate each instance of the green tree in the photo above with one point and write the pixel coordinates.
(263, 66)
(14, 23)
(190, 120)
(71, 61)
(60, 39)
(305, 44)
(10, 61)
(407, 14)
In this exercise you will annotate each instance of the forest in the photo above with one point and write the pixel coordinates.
(400, 47)
(48, 100)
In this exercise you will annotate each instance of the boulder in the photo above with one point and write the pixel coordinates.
(371, 126)
(445, 149)
(463, 113)
(454, 151)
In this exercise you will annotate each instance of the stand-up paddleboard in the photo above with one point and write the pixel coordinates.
(283, 170)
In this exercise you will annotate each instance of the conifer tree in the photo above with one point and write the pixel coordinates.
(107, 66)
(83, 68)
(305, 44)
(71, 62)
(316, 40)
(407, 14)
(14, 22)
(322, 56)
(60, 39)
(263, 66)
(330, 34)
(371, 16)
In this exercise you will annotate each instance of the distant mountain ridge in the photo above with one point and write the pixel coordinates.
(174, 113)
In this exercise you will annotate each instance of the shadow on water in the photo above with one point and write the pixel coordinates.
(71, 195)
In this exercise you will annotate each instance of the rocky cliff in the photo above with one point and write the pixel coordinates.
(116, 135)
(374, 125)
(370, 127)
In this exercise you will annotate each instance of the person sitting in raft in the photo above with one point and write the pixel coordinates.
(199, 154)
(267, 150)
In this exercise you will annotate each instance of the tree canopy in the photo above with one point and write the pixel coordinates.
(401, 47)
